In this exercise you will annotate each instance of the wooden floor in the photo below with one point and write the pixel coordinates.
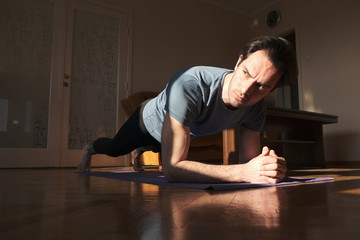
(60, 204)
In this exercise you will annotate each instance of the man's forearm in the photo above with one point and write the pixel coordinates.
(191, 171)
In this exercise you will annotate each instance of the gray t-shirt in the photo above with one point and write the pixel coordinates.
(193, 97)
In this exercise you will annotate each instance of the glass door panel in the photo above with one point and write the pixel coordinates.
(27, 89)
(26, 34)
(94, 78)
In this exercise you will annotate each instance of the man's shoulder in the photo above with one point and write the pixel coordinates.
(200, 75)
(201, 70)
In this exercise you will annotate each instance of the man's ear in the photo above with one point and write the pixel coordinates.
(238, 62)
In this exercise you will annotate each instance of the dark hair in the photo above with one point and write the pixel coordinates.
(281, 53)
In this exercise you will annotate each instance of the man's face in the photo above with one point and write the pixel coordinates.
(252, 80)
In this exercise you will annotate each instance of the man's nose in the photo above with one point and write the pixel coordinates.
(247, 87)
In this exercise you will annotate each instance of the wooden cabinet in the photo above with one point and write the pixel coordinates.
(294, 134)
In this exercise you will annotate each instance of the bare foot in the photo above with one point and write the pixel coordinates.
(136, 154)
(85, 161)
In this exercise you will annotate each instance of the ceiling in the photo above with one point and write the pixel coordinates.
(247, 8)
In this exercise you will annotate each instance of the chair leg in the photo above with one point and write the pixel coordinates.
(160, 163)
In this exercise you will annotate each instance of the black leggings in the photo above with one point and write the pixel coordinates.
(132, 135)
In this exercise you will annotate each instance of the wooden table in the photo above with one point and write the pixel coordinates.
(294, 134)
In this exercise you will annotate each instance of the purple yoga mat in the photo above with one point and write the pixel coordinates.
(157, 178)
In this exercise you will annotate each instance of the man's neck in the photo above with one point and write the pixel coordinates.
(225, 88)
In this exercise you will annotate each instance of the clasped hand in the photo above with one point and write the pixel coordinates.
(266, 168)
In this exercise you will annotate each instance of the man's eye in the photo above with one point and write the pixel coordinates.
(260, 86)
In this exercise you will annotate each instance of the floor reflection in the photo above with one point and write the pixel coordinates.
(201, 212)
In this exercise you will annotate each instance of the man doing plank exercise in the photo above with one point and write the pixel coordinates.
(201, 101)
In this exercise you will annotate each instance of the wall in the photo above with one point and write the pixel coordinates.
(169, 35)
(328, 37)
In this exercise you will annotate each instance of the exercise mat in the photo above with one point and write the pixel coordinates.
(157, 178)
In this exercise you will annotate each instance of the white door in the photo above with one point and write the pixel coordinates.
(95, 79)
(45, 118)
(26, 43)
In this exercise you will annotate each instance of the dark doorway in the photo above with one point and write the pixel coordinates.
(288, 96)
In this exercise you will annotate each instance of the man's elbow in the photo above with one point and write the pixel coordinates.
(170, 173)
